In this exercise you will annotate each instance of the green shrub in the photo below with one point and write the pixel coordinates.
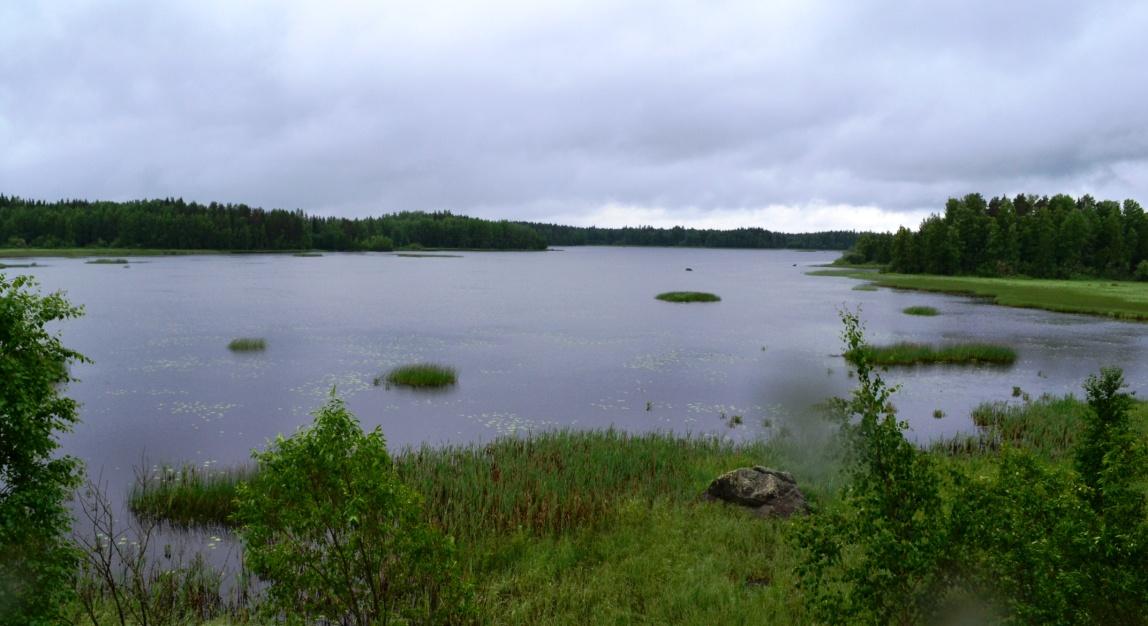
(36, 560)
(339, 537)
(882, 557)
(1142, 270)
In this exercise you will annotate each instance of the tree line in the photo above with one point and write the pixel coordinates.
(1045, 237)
(678, 236)
(172, 223)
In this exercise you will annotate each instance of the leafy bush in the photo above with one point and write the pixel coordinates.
(36, 561)
(881, 558)
(1142, 270)
(329, 525)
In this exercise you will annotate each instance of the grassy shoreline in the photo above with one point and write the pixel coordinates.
(1125, 300)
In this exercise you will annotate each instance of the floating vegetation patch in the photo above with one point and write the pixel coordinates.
(687, 296)
(923, 354)
(421, 375)
(865, 287)
(107, 262)
(511, 423)
(417, 255)
(307, 254)
(4, 266)
(926, 311)
(247, 344)
(345, 385)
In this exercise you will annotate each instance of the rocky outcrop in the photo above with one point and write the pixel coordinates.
(769, 493)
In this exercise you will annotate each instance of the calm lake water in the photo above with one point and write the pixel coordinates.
(568, 338)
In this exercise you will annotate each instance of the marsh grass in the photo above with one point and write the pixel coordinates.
(422, 375)
(687, 296)
(924, 354)
(1121, 300)
(427, 255)
(926, 311)
(4, 266)
(187, 496)
(865, 287)
(308, 254)
(247, 344)
(107, 262)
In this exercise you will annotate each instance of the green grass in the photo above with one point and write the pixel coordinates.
(1118, 299)
(688, 296)
(187, 497)
(4, 266)
(421, 375)
(247, 344)
(865, 287)
(108, 262)
(925, 311)
(924, 354)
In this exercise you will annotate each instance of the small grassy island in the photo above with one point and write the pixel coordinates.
(688, 296)
(924, 354)
(924, 311)
(422, 376)
(247, 344)
(107, 262)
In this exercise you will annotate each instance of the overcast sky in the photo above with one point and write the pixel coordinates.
(793, 116)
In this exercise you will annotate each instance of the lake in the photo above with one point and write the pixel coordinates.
(556, 339)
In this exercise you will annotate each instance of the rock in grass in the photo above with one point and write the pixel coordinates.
(769, 493)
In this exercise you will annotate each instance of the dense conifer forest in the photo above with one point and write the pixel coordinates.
(1044, 237)
(172, 223)
(678, 236)
(176, 224)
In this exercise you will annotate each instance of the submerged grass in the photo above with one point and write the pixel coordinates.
(247, 344)
(924, 354)
(687, 296)
(1118, 299)
(421, 375)
(926, 311)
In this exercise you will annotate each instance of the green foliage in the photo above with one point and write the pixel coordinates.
(926, 311)
(247, 344)
(330, 526)
(881, 558)
(107, 262)
(1055, 237)
(1141, 273)
(687, 296)
(920, 354)
(422, 375)
(36, 561)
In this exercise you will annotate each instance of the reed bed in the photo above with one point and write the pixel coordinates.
(687, 296)
(925, 311)
(188, 496)
(555, 482)
(421, 375)
(108, 262)
(247, 344)
(924, 354)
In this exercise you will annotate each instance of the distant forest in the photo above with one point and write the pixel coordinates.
(557, 235)
(175, 224)
(1057, 237)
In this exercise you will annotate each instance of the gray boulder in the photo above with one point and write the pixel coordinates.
(769, 493)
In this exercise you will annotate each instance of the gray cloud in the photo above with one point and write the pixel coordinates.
(722, 113)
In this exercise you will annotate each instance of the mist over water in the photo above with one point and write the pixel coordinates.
(559, 339)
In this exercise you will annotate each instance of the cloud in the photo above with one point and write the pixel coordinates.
(810, 115)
